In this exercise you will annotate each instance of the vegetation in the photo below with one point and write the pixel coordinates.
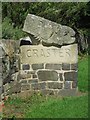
(73, 14)
(38, 106)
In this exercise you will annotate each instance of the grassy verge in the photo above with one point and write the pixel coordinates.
(83, 73)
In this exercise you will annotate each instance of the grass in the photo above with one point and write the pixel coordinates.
(38, 106)
(83, 73)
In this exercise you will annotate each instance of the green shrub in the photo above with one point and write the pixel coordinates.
(9, 32)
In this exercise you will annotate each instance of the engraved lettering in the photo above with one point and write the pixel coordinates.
(68, 52)
(35, 52)
(55, 51)
(60, 53)
(48, 53)
(42, 53)
(29, 53)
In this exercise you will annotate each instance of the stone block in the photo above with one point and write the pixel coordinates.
(74, 84)
(65, 66)
(25, 87)
(23, 81)
(70, 76)
(38, 86)
(15, 89)
(47, 92)
(34, 76)
(31, 81)
(47, 75)
(67, 85)
(25, 67)
(61, 77)
(47, 31)
(54, 85)
(35, 86)
(37, 66)
(0, 68)
(74, 66)
(25, 76)
(0, 61)
(53, 66)
(67, 92)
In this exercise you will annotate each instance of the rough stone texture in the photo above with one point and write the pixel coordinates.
(67, 92)
(38, 54)
(74, 84)
(31, 81)
(65, 66)
(0, 68)
(70, 76)
(25, 87)
(67, 85)
(26, 67)
(15, 89)
(74, 66)
(37, 66)
(47, 92)
(38, 86)
(55, 85)
(25, 76)
(61, 77)
(23, 81)
(34, 76)
(0, 61)
(47, 75)
(53, 66)
(47, 31)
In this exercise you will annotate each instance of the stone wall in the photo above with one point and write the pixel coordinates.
(49, 64)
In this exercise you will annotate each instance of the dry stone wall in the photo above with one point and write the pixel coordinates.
(48, 65)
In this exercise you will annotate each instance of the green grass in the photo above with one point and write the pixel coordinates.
(38, 106)
(83, 73)
(74, 107)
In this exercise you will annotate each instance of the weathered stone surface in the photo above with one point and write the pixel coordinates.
(25, 76)
(38, 86)
(67, 92)
(37, 66)
(38, 54)
(34, 76)
(15, 89)
(23, 81)
(0, 61)
(74, 84)
(55, 85)
(74, 66)
(70, 76)
(0, 68)
(47, 75)
(47, 31)
(25, 87)
(25, 66)
(53, 66)
(60, 76)
(65, 66)
(67, 85)
(31, 81)
(47, 92)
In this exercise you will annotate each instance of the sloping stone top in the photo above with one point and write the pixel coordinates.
(47, 31)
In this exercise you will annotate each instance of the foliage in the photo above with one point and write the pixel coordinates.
(9, 32)
(73, 14)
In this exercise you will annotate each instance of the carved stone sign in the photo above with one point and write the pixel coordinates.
(41, 54)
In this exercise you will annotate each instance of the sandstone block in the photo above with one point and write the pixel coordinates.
(47, 75)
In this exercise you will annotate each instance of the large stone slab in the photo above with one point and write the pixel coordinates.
(47, 31)
(41, 54)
